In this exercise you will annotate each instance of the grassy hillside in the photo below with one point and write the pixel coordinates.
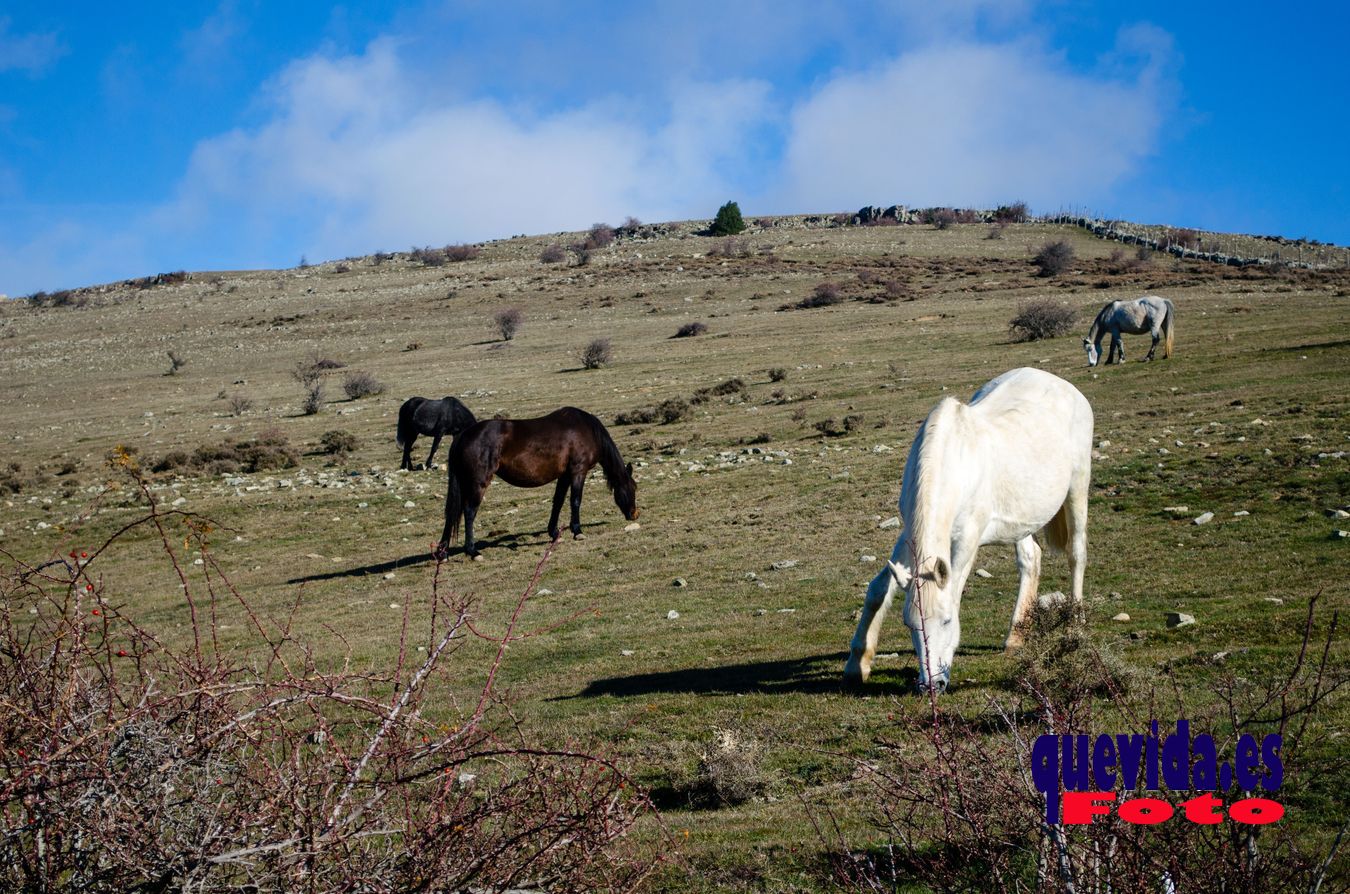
(801, 465)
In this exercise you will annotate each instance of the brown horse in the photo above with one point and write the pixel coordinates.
(562, 446)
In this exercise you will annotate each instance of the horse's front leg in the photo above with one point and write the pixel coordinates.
(435, 443)
(1029, 573)
(1117, 348)
(578, 482)
(559, 494)
(863, 648)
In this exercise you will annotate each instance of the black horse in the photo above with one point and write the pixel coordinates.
(562, 446)
(421, 416)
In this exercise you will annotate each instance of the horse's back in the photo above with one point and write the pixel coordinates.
(1032, 434)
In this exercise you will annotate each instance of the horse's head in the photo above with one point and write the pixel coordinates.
(625, 494)
(1091, 352)
(931, 614)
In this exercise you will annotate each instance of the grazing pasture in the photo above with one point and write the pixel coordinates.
(769, 503)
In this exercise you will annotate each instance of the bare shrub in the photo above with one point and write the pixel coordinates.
(142, 759)
(357, 384)
(730, 247)
(413, 346)
(778, 374)
(313, 400)
(721, 389)
(596, 354)
(553, 254)
(689, 330)
(1183, 237)
(507, 322)
(337, 442)
(461, 252)
(728, 773)
(240, 404)
(960, 811)
(428, 256)
(601, 235)
(176, 362)
(630, 226)
(1053, 258)
(1010, 214)
(1041, 318)
(823, 295)
(269, 451)
(995, 232)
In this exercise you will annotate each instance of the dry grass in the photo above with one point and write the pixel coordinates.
(713, 512)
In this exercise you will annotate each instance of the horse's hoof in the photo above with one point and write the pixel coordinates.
(476, 557)
(578, 536)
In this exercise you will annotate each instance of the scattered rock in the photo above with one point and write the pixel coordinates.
(1203, 518)
(543, 591)
(1179, 619)
(1241, 513)
(627, 653)
(1274, 600)
(1121, 617)
(787, 611)
(410, 505)
(679, 582)
(1051, 599)
(633, 526)
(750, 575)
(394, 605)
(980, 572)
(892, 522)
(389, 575)
(784, 564)
(1339, 535)
(1218, 657)
(672, 615)
(1103, 444)
(1176, 510)
(1337, 513)
(867, 558)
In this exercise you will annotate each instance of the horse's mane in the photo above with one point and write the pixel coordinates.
(933, 442)
(1100, 319)
(611, 461)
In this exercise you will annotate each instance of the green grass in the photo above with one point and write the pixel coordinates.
(760, 656)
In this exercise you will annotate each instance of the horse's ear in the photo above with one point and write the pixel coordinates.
(900, 573)
(940, 573)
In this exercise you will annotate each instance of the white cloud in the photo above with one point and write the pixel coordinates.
(361, 160)
(968, 125)
(31, 53)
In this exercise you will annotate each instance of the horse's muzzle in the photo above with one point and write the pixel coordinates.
(936, 687)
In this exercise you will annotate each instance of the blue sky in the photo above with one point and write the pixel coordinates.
(137, 138)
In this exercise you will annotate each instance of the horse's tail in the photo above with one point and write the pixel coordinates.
(405, 423)
(454, 496)
(1057, 530)
(1167, 329)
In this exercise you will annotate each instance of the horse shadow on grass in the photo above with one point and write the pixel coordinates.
(810, 674)
(494, 540)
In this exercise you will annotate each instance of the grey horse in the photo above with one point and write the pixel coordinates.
(1149, 314)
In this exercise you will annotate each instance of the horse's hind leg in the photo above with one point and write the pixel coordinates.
(407, 453)
(436, 442)
(1029, 571)
(1157, 336)
(1077, 517)
(559, 494)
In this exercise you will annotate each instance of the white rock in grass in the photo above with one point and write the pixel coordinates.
(679, 582)
(1121, 617)
(1203, 518)
(980, 572)
(784, 564)
(672, 615)
(1051, 599)
(865, 557)
(1179, 619)
(632, 526)
(892, 522)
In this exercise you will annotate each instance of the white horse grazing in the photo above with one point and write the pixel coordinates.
(1149, 314)
(1013, 462)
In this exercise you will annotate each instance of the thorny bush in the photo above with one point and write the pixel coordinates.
(958, 810)
(129, 762)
